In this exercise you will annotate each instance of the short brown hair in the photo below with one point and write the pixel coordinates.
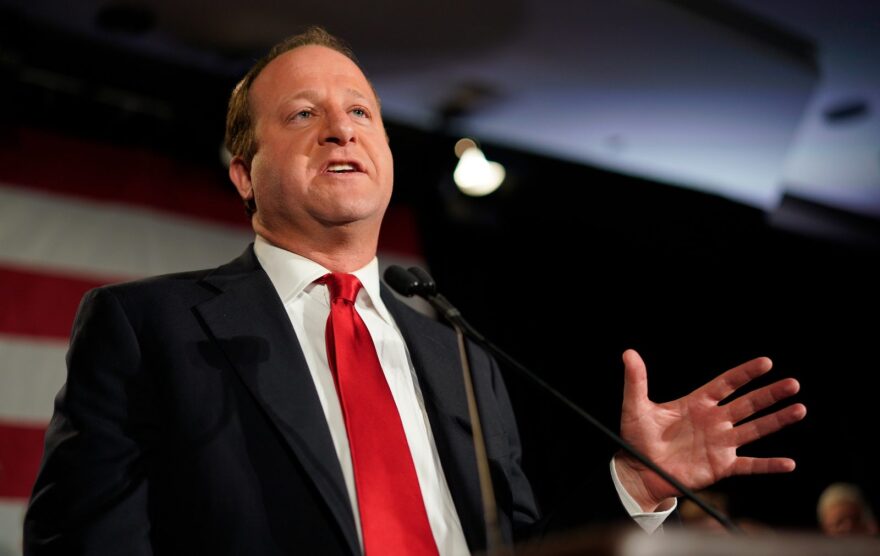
(240, 138)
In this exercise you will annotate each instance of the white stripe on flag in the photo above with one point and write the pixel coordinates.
(91, 238)
(31, 374)
(11, 521)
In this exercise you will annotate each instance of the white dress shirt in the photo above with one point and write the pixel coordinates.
(308, 306)
(649, 521)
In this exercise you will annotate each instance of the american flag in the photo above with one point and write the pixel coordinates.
(76, 214)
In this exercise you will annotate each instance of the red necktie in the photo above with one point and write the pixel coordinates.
(393, 517)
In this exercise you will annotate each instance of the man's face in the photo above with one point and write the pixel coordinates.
(322, 155)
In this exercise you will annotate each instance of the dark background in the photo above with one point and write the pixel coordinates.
(566, 267)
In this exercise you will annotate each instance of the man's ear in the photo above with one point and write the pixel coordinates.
(240, 174)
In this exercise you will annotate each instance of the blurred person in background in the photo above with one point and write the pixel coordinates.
(843, 510)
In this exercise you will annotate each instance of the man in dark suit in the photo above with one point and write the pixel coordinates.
(201, 414)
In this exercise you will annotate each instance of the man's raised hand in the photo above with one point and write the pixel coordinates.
(694, 438)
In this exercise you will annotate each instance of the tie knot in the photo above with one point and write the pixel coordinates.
(341, 286)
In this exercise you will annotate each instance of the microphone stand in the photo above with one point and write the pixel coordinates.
(494, 543)
(416, 281)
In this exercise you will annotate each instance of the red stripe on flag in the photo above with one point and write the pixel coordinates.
(399, 233)
(21, 447)
(136, 176)
(40, 304)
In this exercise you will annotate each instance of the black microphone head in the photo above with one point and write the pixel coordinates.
(426, 284)
(401, 280)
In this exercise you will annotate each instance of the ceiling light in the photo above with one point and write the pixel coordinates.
(474, 175)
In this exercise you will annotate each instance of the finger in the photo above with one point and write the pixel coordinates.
(753, 430)
(635, 380)
(728, 382)
(753, 402)
(753, 466)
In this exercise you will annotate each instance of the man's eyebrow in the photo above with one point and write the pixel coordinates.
(358, 94)
(313, 96)
(308, 94)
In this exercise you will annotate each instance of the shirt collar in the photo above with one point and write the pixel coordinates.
(291, 274)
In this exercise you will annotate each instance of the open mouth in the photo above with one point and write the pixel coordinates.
(343, 167)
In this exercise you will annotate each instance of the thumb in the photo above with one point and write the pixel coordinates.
(635, 381)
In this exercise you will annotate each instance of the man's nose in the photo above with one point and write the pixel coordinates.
(339, 128)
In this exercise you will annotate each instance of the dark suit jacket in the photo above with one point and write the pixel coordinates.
(189, 424)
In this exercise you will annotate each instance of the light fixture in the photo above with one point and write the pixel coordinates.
(474, 175)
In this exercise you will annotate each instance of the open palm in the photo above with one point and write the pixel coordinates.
(694, 438)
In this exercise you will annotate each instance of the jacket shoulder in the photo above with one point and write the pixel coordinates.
(179, 289)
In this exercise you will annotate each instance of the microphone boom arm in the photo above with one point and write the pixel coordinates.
(426, 289)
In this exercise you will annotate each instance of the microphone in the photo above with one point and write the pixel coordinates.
(421, 283)
(402, 281)
(426, 286)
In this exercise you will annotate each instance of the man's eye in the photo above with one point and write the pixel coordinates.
(360, 113)
(302, 115)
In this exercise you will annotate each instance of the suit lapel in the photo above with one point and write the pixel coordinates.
(434, 350)
(247, 307)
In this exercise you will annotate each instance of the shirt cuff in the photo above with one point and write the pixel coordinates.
(649, 521)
